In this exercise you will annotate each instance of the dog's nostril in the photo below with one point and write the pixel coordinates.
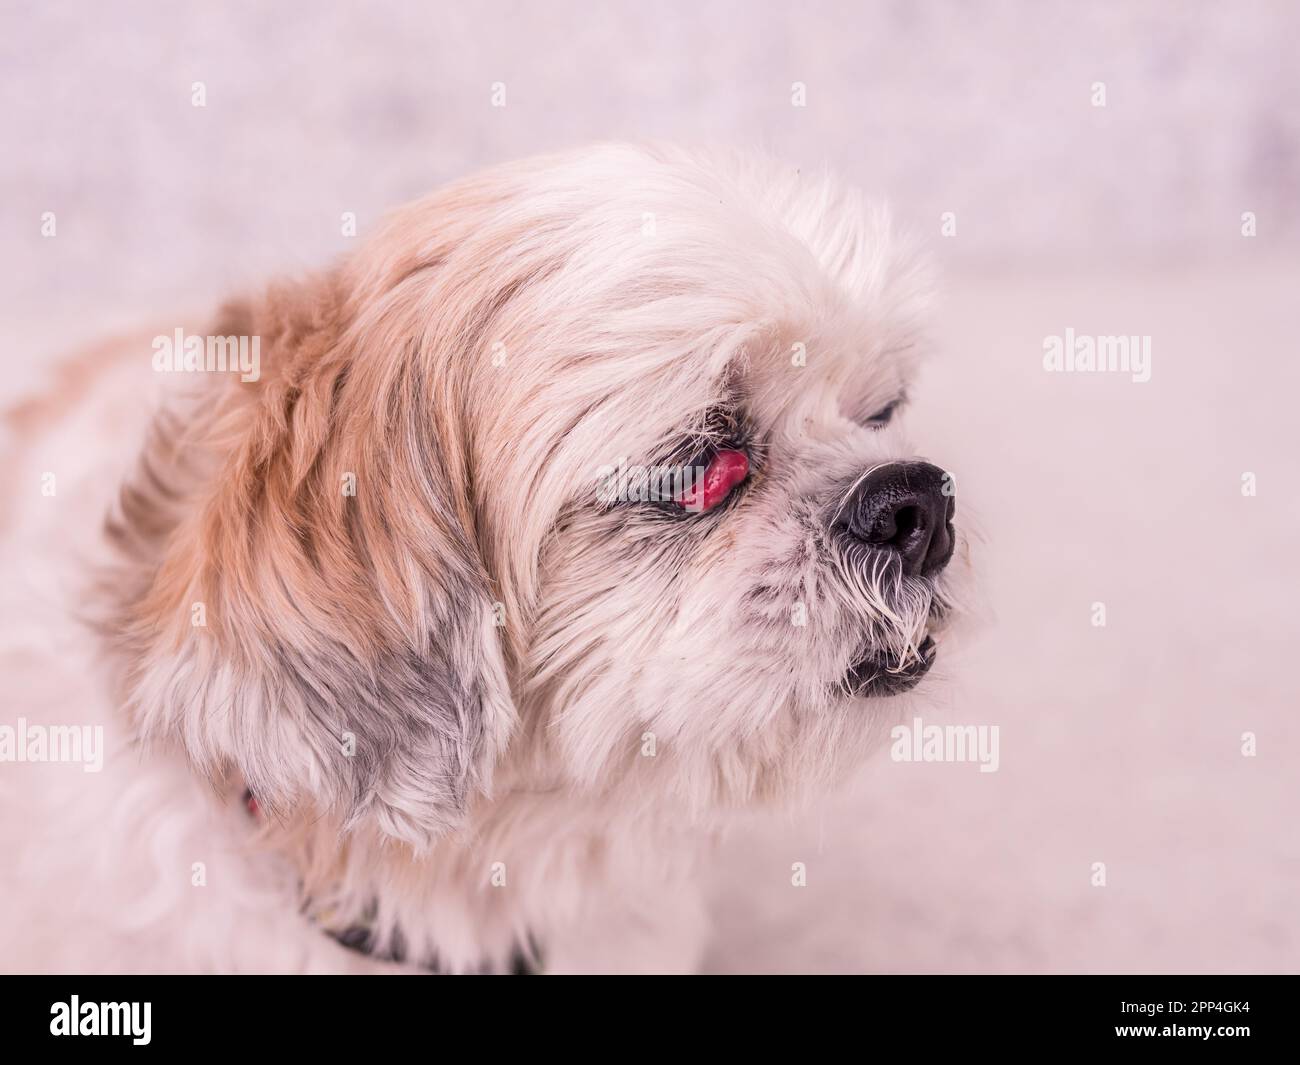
(902, 507)
(904, 522)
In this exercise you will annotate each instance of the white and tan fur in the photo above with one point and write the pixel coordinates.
(553, 703)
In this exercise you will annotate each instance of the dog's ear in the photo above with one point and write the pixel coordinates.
(310, 609)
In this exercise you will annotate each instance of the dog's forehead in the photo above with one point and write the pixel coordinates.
(836, 359)
(827, 363)
(625, 294)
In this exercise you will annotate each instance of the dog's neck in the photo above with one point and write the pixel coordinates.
(534, 860)
(363, 935)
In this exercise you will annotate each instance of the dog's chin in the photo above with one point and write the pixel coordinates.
(876, 676)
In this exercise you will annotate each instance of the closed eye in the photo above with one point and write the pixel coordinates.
(885, 415)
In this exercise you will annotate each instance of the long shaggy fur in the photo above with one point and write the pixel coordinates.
(481, 709)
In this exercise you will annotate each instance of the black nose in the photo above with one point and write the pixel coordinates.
(905, 507)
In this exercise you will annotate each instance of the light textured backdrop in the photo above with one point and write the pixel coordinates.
(315, 108)
(1119, 744)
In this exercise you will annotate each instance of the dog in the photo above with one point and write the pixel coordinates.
(567, 516)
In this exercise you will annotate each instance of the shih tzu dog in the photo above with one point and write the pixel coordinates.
(565, 516)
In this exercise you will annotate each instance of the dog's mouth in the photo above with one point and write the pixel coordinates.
(879, 675)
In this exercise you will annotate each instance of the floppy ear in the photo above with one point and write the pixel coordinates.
(307, 605)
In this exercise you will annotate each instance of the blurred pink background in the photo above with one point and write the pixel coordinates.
(1119, 744)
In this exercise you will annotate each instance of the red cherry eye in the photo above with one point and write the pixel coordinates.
(725, 470)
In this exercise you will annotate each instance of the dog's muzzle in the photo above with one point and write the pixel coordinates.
(903, 511)
(876, 676)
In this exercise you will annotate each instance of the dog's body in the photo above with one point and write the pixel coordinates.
(484, 709)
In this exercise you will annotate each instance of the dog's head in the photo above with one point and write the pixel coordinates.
(595, 460)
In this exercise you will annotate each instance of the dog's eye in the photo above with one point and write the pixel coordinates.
(712, 479)
(884, 416)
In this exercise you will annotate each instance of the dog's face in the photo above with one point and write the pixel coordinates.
(758, 563)
(700, 472)
(630, 489)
